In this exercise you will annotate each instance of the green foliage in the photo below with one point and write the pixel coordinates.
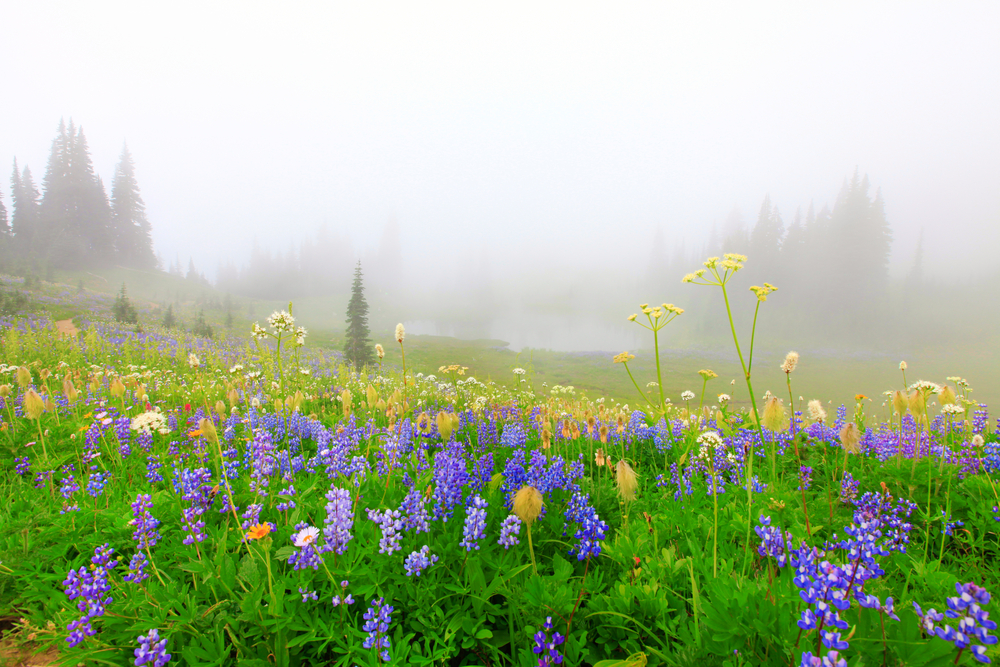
(201, 327)
(123, 310)
(358, 349)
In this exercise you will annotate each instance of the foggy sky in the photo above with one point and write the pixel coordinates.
(566, 130)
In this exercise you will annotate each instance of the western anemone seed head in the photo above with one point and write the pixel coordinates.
(5, 390)
(916, 401)
(977, 440)
(603, 431)
(850, 438)
(117, 388)
(220, 409)
(528, 504)
(816, 412)
(207, 428)
(400, 333)
(626, 480)
(790, 362)
(33, 404)
(599, 457)
(444, 425)
(774, 414)
(902, 365)
(899, 402)
(947, 395)
(69, 391)
(23, 377)
(379, 351)
(708, 374)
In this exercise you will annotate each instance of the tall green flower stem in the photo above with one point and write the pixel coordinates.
(720, 272)
(657, 318)
(623, 359)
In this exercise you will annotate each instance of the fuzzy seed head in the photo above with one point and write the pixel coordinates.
(790, 362)
(626, 480)
(528, 504)
(850, 438)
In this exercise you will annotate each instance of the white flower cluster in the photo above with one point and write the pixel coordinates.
(300, 336)
(258, 332)
(724, 398)
(687, 395)
(926, 386)
(560, 389)
(952, 409)
(148, 422)
(193, 360)
(281, 320)
(519, 371)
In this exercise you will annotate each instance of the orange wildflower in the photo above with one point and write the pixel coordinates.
(259, 531)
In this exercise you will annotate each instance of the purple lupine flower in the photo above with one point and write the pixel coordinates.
(849, 489)
(146, 533)
(392, 527)
(96, 483)
(339, 520)
(509, 530)
(449, 477)
(973, 621)
(22, 465)
(773, 542)
(948, 527)
(591, 530)
(345, 597)
(475, 523)
(377, 620)
(153, 466)
(414, 510)
(88, 586)
(545, 648)
(831, 659)
(418, 561)
(137, 569)
(152, 649)
(308, 594)
(805, 477)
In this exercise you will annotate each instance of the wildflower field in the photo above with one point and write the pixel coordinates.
(254, 501)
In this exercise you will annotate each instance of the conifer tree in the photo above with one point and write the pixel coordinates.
(358, 346)
(74, 215)
(130, 228)
(4, 223)
(25, 200)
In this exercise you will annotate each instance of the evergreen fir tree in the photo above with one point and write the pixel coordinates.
(130, 228)
(358, 346)
(123, 310)
(25, 200)
(201, 327)
(4, 222)
(75, 216)
(169, 320)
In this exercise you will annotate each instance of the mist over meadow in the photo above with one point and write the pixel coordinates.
(524, 174)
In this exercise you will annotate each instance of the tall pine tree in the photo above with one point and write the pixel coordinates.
(4, 223)
(75, 217)
(25, 200)
(130, 228)
(358, 346)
